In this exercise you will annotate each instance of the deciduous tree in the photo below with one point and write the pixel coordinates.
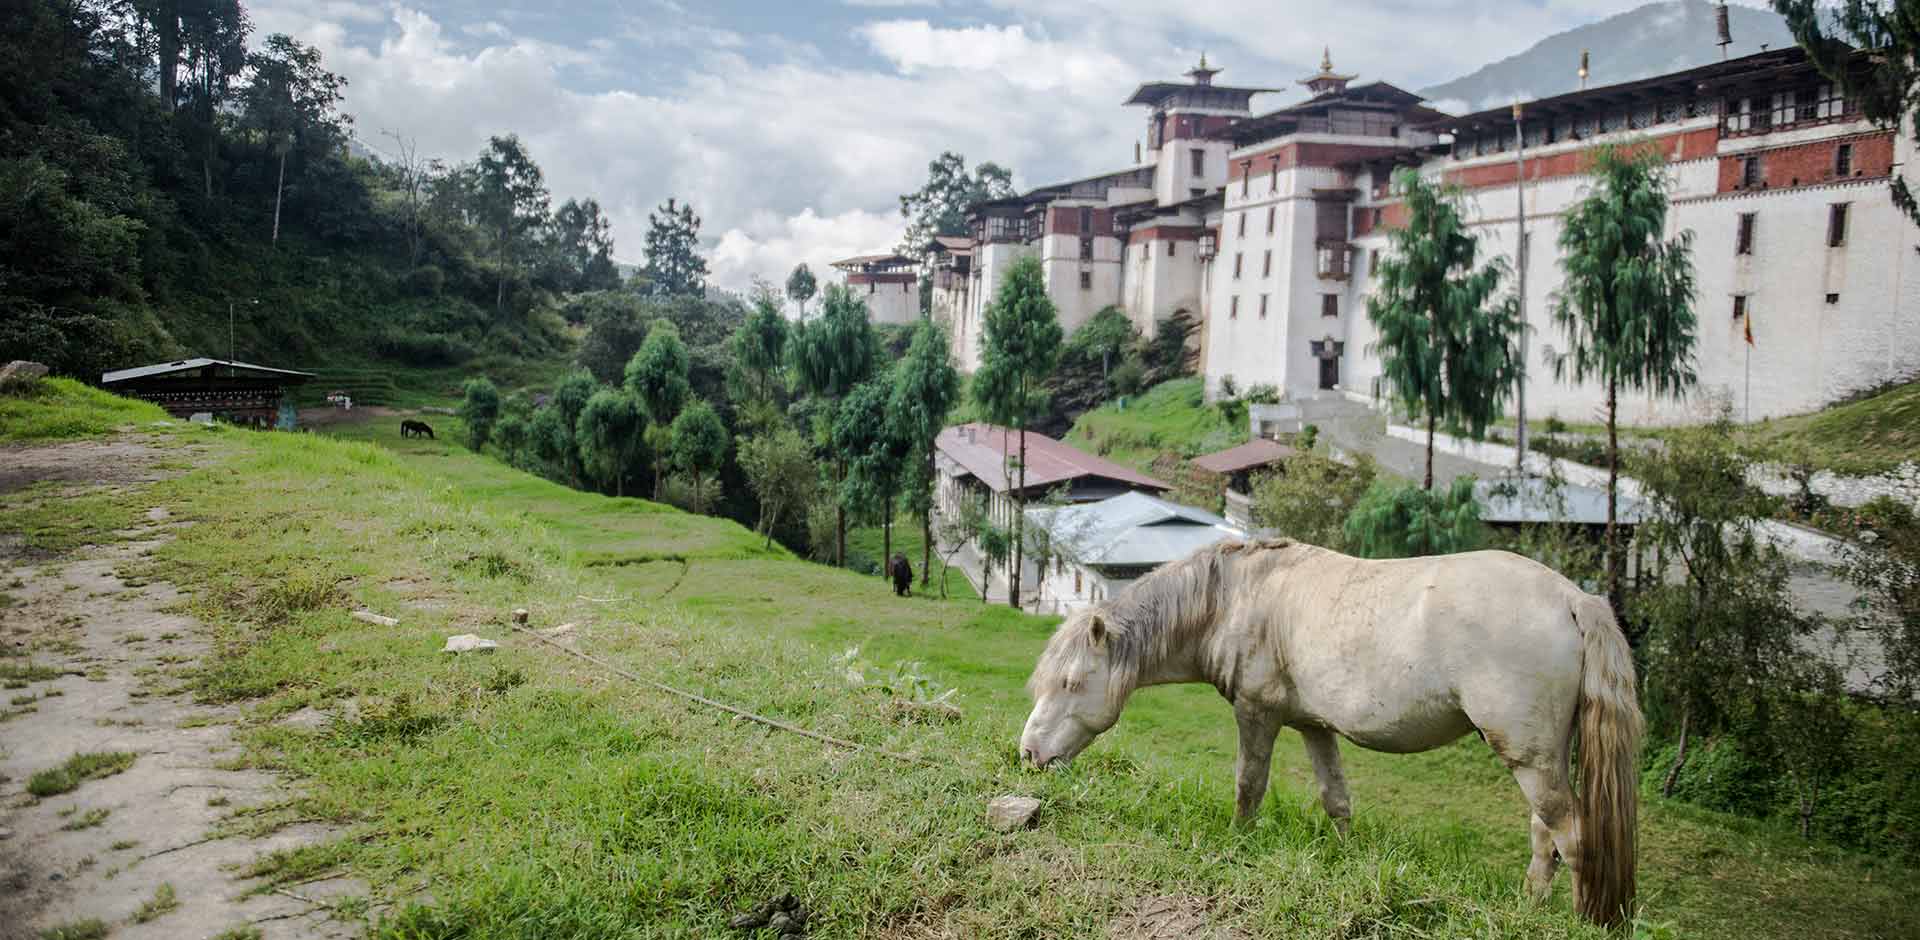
(514, 192)
(293, 102)
(801, 287)
(1626, 302)
(1444, 340)
(940, 206)
(780, 469)
(1872, 48)
(760, 346)
(1022, 342)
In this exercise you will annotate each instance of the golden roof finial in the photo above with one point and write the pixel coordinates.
(1326, 59)
(1203, 59)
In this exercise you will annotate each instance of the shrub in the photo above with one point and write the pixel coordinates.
(1407, 521)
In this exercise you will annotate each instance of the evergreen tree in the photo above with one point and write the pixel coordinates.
(940, 207)
(1445, 343)
(801, 286)
(583, 247)
(830, 356)
(611, 436)
(760, 346)
(1022, 342)
(674, 266)
(657, 376)
(1626, 303)
(479, 408)
(293, 102)
(926, 386)
(700, 443)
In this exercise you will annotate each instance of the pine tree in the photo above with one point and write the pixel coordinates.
(674, 266)
(926, 386)
(830, 356)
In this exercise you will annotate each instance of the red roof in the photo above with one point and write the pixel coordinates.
(982, 449)
(1258, 452)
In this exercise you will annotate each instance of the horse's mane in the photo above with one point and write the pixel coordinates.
(1147, 620)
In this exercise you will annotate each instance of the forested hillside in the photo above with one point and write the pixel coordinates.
(161, 167)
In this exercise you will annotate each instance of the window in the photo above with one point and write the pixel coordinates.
(871, 287)
(1196, 192)
(1076, 582)
(1263, 306)
(1373, 262)
(1329, 305)
(1271, 211)
(1751, 173)
(1246, 176)
(1843, 160)
(1199, 159)
(1266, 264)
(1086, 249)
(1236, 265)
(1743, 242)
(1170, 249)
(1243, 225)
(1739, 306)
(1837, 225)
(1833, 298)
(1233, 307)
(1273, 176)
(1086, 280)
(1086, 219)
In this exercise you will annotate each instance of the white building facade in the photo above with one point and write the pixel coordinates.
(888, 284)
(1265, 230)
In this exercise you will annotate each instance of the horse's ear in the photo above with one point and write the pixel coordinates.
(1097, 631)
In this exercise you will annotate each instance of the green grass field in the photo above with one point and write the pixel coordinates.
(528, 794)
(1171, 417)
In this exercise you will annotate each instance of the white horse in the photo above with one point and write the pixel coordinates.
(1399, 656)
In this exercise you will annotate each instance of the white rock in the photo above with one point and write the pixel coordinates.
(557, 633)
(369, 616)
(1007, 813)
(469, 643)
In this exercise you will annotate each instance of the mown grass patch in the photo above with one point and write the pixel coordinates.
(78, 769)
(50, 519)
(1870, 436)
(57, 409)
(530, 794)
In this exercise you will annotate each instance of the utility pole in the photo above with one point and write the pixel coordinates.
(1520, 254)
(229, 331)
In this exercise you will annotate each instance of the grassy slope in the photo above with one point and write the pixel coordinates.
(58, 409)
(528, 795)
(869, 542)
(1869, 436)
(1171, 416)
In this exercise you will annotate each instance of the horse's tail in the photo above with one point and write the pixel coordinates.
(1610, 728)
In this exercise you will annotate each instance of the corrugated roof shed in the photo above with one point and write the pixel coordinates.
(1258, 452)
(185, 365)
(1534, 500)
(982, 449)
(1132, 529)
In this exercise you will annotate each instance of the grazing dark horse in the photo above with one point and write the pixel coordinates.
(902, 574)
(412, 428)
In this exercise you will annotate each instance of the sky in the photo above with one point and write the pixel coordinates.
(793, 127)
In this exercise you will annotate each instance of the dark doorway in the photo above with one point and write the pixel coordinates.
(1329, 373)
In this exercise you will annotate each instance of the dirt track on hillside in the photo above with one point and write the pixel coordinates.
(120, 650)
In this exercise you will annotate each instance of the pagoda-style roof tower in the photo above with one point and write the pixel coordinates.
(1326, 81)
(1199, 91)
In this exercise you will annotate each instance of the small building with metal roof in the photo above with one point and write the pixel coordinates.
(1096, 549)
(239, 392)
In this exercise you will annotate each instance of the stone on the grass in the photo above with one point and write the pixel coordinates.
(558, 633)
(20, 375)
(1007, 813)
(520, 615)
(469, 643)
(369, 616)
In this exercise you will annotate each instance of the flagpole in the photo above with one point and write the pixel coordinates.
(1520, 255)
(1748, 395)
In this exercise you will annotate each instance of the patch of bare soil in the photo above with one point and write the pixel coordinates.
(1171, 917)
(109, 657)
(109, 461)
(321, 417)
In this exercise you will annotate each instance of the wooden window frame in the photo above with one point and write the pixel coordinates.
(1743, 234)
(1838, 214)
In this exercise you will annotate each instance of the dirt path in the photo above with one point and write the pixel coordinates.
(93, 664)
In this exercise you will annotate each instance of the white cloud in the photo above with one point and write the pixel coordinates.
(769, 246)
(916, 46)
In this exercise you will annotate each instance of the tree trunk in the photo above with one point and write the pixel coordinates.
(886, 538)
(1680, 756)
(1809, 797)
(619, 485)
(1019, 523)
(500, 288)
(659, 478)
(839, 516)
(1613, 501)
(168, 26)
(279, 187)
(1430, 423)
